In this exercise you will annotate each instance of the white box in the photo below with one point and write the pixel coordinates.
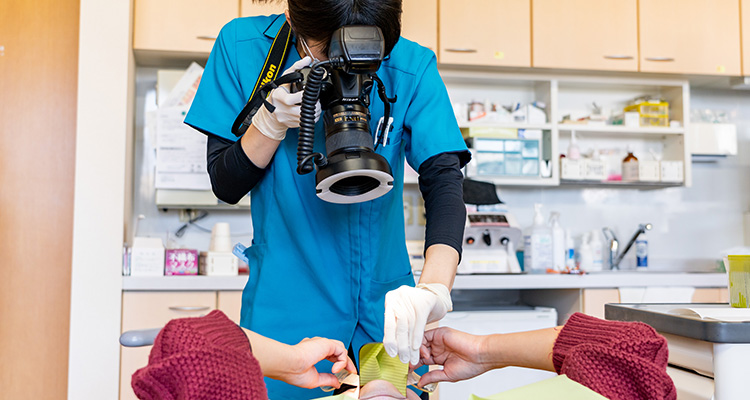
(631, 119)
(672, 171)
(218, 264)
(649, 171)
(147, 257)
(593, 170)
(570, 169)
(713, 139)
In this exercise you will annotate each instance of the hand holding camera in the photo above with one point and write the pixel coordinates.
(286, 114)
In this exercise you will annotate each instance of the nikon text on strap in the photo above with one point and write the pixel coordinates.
(274, 61)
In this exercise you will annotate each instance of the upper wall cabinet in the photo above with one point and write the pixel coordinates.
(585, 34)
(419, 22)
(746, 37)
(690, 36)
(485, 32)
(250, 9)
(189, 26)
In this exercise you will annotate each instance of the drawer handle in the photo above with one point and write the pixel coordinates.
(461, 50)
(618, 57)
(660, 59)
(190, 308)
(206, 37)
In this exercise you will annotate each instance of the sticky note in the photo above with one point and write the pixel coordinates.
(558, 388)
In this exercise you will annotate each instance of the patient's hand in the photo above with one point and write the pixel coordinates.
(459, 353)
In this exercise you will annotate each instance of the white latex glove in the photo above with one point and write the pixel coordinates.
(286, 115)
(407, 311)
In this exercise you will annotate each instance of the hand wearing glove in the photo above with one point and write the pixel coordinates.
(407, 311)
(274, 124)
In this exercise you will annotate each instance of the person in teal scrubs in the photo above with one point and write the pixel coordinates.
(338, 271)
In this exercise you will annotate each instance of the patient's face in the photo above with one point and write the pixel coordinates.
(383, 390)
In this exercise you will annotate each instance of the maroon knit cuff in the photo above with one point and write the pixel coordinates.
(219, 331)
(585, 329)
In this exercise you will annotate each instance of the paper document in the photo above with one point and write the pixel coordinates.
(728, 314)
(180, 152)
(184, 91)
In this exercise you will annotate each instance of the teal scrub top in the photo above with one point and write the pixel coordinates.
(317, 268)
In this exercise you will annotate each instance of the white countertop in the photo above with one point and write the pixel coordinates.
(542, 281)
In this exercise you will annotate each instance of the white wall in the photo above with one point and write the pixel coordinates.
(104, 120)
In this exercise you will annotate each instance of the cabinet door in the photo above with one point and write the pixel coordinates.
(146, 310)
(485, 32)
(593, 300)
(180, 25)
(690, 36)
(745, 6)
(419, 22)
(585, 34)
(249, 9)
(230, 303)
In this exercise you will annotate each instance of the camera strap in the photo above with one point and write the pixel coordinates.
(274, 61)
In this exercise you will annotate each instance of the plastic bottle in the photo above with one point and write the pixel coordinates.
(537, 255)
(597, 253)
(570, 251)
(630, 167)
(558, 241)
(585, 256)
(641, 252)
(574, 153)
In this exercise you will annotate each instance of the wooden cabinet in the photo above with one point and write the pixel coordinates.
(146, 310)
(249, 9)
(485, 32)
(690, 36)
(188, 26)
(745, 8)
(419, 22)
(585, 34)
(593, 300)
(230, 303)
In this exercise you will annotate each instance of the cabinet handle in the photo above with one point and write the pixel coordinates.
(660, 59)
(618, 57)
(461, 50)
(206, 37)
(190, 308)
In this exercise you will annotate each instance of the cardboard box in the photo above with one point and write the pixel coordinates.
(147, 257)
(218, 264)
(672, 171)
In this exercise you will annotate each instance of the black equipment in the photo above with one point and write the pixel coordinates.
(351, 172)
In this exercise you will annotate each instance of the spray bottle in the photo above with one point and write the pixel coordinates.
(558, 241)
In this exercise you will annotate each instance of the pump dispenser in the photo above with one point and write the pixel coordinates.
(537, 256)
(574, 153)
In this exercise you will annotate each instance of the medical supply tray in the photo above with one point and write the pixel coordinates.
(659, 317)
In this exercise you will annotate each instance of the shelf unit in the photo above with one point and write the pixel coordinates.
(573, 95)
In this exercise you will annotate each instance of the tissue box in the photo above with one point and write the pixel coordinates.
(147, 257)
(181, 262)
(570, 169)
(214, 263)
(672, 171)
(649, 171)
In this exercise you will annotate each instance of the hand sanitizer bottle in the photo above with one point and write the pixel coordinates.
(537, 255)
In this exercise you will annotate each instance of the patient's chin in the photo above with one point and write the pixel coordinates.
(384, 390)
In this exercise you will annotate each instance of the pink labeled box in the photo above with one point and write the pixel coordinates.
(181, 262)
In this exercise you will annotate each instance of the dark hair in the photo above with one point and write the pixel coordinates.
(318, 19)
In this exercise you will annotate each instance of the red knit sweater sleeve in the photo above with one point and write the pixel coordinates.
(200, 358)
(619, 360)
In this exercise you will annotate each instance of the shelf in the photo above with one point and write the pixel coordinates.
(515, 181)
(510, 281)
(508, 125)
(620, 184)
(621, 129)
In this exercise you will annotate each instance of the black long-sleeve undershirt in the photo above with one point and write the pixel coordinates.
(233, 175)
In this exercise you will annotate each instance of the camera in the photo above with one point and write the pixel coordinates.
(351, 172)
